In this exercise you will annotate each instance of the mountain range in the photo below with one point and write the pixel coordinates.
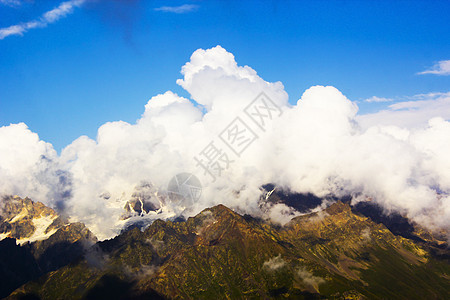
(339, 252)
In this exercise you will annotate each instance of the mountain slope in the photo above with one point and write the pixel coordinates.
(34, 241)
(334, 253)
(26, 221)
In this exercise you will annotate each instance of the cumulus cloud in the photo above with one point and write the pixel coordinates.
(182, 9)
(440, 68)
(29, 166)
(319, 145)
(51, 16)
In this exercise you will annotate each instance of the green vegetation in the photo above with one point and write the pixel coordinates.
(220, 254)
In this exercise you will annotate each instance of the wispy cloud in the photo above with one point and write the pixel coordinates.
(274, 263)
(413, 111)
(185, 8)
(440, 68)
(48, 17)
(12, 3)
(378, 99)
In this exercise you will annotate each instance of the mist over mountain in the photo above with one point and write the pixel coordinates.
(337, 252)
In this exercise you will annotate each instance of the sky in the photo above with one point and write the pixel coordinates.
(67, 72)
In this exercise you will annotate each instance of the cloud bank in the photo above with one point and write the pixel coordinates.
(61, 11)
(318, 145)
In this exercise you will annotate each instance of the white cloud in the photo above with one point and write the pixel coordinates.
(185, 8)
(378, 99)
(49, 17)
(440, 68)
(319, 145)
(412, 113)
(309, 279)
(61, 11)
(29, 166)
(12, 30)
(274, 263)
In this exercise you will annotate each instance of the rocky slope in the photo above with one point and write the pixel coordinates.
(26, 221)
(35, 240)
(336, 253)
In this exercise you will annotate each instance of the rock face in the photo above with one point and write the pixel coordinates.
(272, 194)
(17, 266)
(335, 253)
(35, 240)
(26, 221)
(144, 200)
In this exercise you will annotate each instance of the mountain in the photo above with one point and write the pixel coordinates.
(271, 195)
(434, 242)
(35, 240)
(144, 200)
(336, 253)
(26, 221)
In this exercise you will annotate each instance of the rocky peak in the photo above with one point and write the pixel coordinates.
(338, 208)
(145, 199)
(47, 241)
(27, 221)
(221, 210)
(14, 208)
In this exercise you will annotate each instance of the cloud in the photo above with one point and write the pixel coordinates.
(378, 99)
(207, 220)
(365, 234)
(415, 112)
(274, 263)
(309, 279)
(12, 3)
(48, 17)
(61, 11)
(440, 68)
(29, 166)
(182, 9)
(319, 145)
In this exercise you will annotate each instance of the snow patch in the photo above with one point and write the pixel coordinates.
(3, 236)
(269, 193)
(40, 224)
(23, 213)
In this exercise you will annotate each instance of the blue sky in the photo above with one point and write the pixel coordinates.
(102, 60)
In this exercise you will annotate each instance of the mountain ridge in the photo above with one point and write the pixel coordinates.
(334, 253)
